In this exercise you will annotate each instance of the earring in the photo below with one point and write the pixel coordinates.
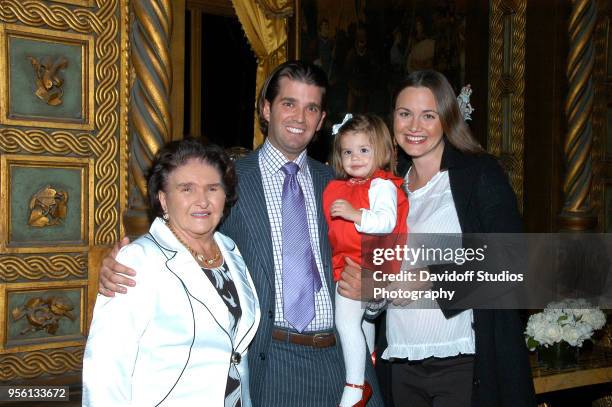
(165, 216)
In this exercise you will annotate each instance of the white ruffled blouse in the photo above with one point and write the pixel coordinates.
(420, 330)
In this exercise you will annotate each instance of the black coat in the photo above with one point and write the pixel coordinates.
(485, 203)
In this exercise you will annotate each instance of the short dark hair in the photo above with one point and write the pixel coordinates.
(177, 153)
(300, 71)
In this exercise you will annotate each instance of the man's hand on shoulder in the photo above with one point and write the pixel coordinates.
(113, 275)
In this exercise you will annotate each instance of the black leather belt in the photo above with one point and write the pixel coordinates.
(316, 340)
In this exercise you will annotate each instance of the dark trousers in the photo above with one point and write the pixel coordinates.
(301, 376)
(433, 382)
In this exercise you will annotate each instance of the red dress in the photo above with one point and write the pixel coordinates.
(345, 240)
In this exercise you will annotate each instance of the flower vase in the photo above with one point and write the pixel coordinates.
(558, 356)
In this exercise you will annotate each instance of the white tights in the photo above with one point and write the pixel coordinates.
(355, 333)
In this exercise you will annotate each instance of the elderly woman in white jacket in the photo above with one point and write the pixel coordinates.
(180, 336)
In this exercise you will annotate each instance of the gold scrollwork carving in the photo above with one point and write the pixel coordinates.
(496, 76)
(44, 313)
(35, 363)
(104, 23)
(37, 13)
(508, 86)
(600, 121)
(38, 267)
(14, 140)
(48, 207)
(48, 81)
(106, 216)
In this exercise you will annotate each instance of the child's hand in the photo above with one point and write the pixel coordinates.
(340, 208)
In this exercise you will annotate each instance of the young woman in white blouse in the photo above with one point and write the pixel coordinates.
(445, 357)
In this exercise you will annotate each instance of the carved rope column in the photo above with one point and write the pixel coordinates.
(577, 211)
(150, 117)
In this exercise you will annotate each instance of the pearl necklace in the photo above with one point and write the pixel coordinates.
(207, 261)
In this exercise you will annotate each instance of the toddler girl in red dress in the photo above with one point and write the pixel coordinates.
(366, 198)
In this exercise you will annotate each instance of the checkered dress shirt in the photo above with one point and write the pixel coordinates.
(270, 162)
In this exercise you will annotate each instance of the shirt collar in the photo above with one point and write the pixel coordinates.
(273, 160)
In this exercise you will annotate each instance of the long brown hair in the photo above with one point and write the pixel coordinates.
(453, 124)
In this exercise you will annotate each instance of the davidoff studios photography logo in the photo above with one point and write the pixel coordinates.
(486, 270)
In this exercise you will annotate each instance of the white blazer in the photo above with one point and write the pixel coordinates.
(168, 340)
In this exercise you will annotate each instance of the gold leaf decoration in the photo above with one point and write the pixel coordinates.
(106, 170)
(48, 207)
(104, 24)
(13, 140)
(47, 78)
(37, 13)
(509, 87)
(600, 121)
(44, 313)
(150, 102)
(35, 363)
(38, 267)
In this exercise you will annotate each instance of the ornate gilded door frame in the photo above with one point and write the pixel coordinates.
(505, 139)
(601, 195)
(63, 123)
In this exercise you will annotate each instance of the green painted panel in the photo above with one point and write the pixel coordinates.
(23, 101)
(49, 309)
(25, 183)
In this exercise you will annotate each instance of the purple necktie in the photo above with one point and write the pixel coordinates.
(300, 276)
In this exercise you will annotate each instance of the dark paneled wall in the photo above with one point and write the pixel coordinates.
(545, 122)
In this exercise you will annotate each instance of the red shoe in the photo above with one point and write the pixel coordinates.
(367, 393)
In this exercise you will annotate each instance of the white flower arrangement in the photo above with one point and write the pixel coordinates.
(570, 320)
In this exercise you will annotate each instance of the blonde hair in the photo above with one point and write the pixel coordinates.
(379, 136)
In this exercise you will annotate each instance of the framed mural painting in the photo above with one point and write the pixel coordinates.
(366, 47)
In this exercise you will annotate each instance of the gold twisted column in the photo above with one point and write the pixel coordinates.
(577, 211)
(150, 117)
